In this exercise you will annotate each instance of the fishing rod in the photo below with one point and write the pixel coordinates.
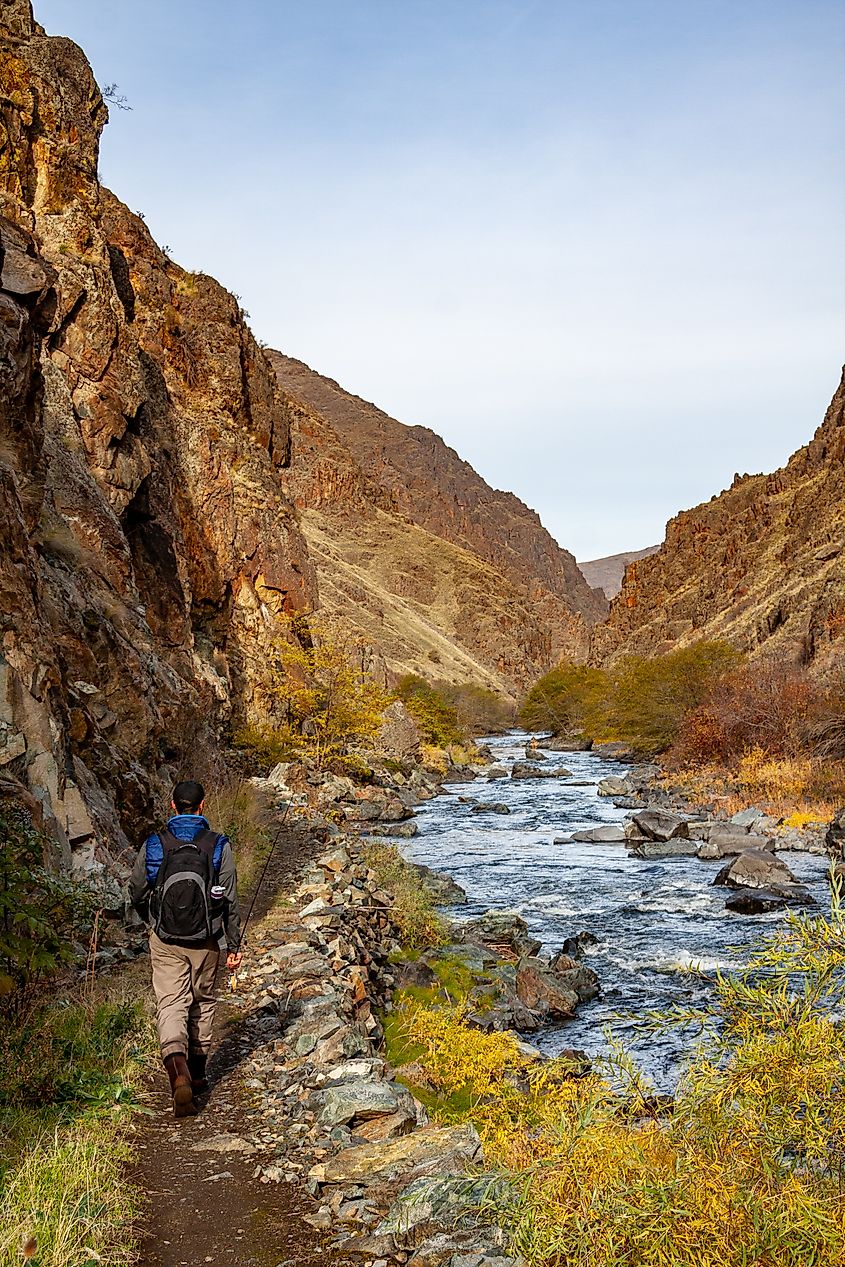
(233, 980)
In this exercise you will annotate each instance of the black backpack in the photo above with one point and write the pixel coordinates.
(181, 903)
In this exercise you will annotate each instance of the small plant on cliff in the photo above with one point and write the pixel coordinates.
(38, 910)
(321, 690)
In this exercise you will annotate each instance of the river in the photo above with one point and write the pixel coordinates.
(653, 920)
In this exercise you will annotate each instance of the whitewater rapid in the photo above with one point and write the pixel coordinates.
(652, 919)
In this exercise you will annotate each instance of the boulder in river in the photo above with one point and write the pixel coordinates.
(554, 990)
(534, 754)
(501, 931)
(756, 869)
(528, 770)
(759, 901)
(660, 825)
(441, 887)
(678, 847)
(496, 772)
(614, 786)
(492, 807)
(609, 834)
(726, 841)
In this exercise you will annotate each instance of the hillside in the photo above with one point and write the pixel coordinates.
(762, 565)
(494, 579)
(606, 574)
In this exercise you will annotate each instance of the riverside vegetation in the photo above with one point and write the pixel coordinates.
(727, 730)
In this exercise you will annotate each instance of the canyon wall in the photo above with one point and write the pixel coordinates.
(148, 542)
(416, 547)
(761, 565)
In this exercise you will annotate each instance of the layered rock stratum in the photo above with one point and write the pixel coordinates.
(156, 474)
(447, 575)
(761, 565)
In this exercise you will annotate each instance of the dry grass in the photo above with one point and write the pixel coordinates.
(800, 790)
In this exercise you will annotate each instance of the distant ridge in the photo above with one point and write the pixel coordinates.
(607, 573)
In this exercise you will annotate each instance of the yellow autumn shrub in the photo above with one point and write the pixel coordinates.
(744, 1165)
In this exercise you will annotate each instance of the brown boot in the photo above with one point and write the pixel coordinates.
(180, 1085)
(197, 1061)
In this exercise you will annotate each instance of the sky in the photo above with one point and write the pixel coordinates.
(598, 245)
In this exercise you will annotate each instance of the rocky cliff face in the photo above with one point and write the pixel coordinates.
(414, 544)
(762, 565)
(150, 543)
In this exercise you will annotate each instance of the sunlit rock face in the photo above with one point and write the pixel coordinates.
(149, 545)
(762, 564)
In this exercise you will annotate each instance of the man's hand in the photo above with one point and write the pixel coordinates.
(233, 959)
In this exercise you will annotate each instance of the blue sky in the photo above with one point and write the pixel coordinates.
(598, 245)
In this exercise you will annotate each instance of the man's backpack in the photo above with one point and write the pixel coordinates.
(181, 903)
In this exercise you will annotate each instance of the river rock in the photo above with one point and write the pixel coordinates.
(660, 825)
(546, 993)
(496, 772)
(755, 869)
(754, 901)
(726, 841)
(444, 891)
(754, 820)
(533, 753)
(574, 975)
(678, 847)
(614, 786)
(611, 834)
(494, 807)
(432, 1150)
(527, 770)
(501, 931)
(358, 1101)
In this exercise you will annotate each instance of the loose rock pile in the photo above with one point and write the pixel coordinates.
(331, 1114)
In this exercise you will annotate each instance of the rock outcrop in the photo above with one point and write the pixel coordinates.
(412, 544)
(148, 542)
(762, 565)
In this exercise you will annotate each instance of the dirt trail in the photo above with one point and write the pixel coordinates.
(204, 1205)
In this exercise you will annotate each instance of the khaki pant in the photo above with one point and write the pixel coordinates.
(183, 983)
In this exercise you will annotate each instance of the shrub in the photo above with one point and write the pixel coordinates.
(745, 1164)
(479, 711)
(322, 692)
(758, 705)
(435, 716)
(651, 698)
(570, 697)
(413, 911)
(39, 911)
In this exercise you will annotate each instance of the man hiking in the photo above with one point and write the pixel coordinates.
(184, 885)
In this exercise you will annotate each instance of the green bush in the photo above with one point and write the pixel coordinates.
(640, 701)
(436, 718)
(38, 910)
(570, 697)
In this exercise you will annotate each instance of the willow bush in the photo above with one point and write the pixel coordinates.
(745, 1165)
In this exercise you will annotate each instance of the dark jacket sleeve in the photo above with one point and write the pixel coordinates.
(139, 892)
(228, 879)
